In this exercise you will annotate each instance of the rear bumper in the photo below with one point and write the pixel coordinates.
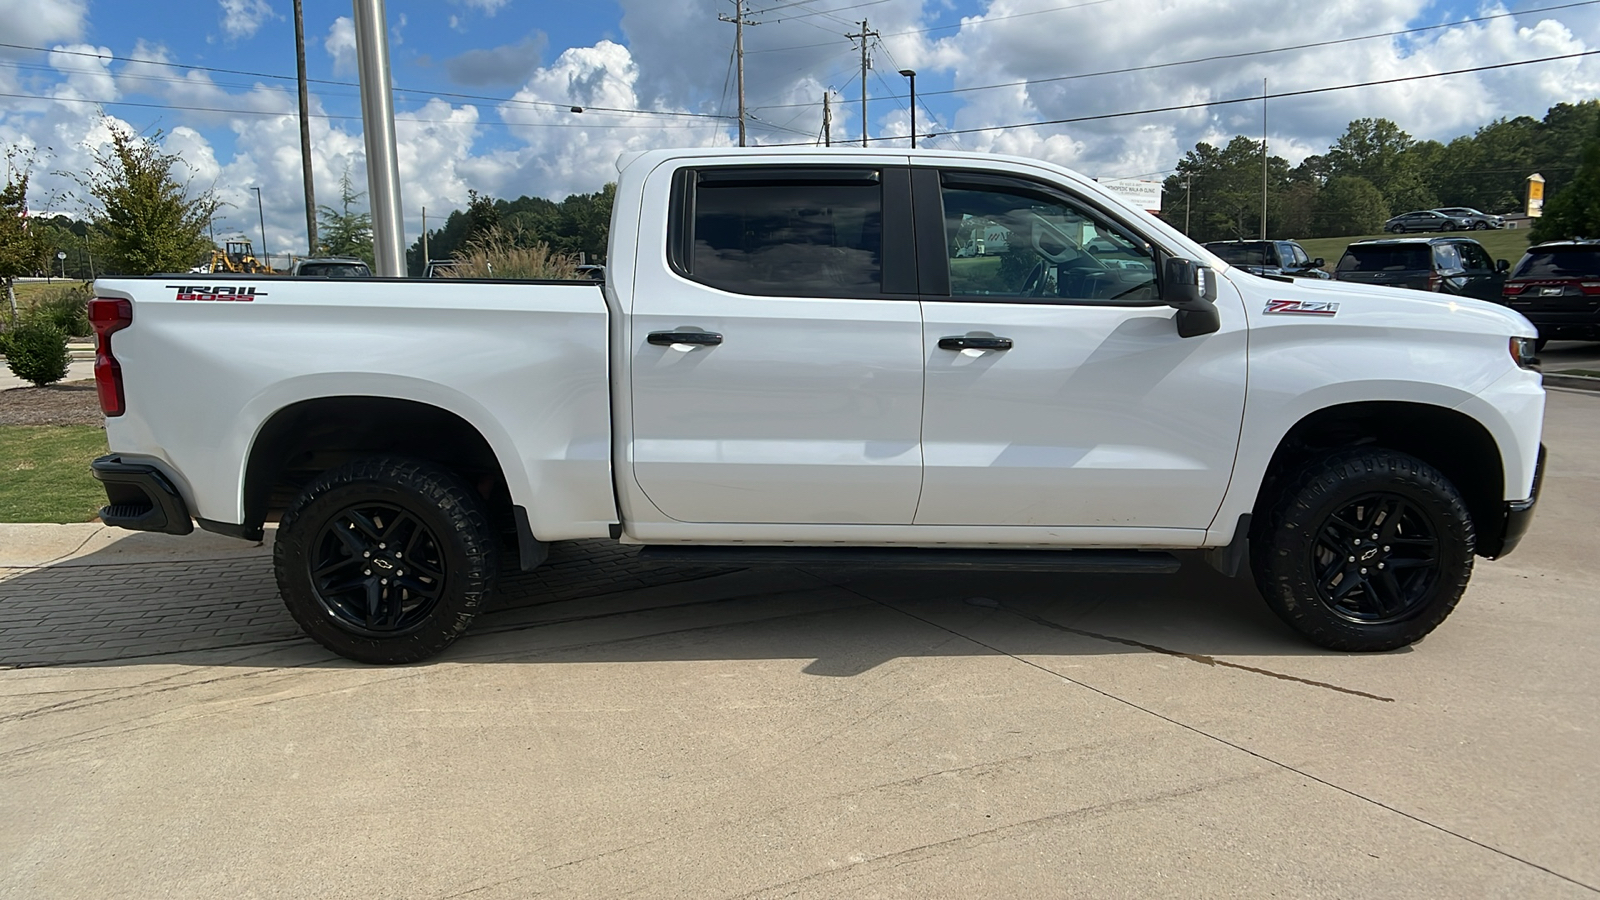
(1503, 535)
(140, 498)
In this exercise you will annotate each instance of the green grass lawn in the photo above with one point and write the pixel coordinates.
(1502, 243)
(44, 473)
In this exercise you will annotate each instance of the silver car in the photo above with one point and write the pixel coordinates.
(1480, 221)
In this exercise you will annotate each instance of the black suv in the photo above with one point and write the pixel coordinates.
(1457, 266)
(1269, 258)
(1557, 286)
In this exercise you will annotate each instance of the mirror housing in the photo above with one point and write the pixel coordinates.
(1502, 265)
(1318, 263)
(1191, 289)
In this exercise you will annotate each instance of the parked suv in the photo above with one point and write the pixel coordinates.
(1477, 221)
(1425, 220)
(1447, 265)
(1269, 258)
(1557, 286)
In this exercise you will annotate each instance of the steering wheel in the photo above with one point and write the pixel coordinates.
(1035, 280)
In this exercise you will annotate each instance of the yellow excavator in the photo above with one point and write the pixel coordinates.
(238, 257)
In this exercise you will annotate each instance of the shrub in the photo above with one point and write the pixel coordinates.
(66, 308)
(499, 253)
(37, 353)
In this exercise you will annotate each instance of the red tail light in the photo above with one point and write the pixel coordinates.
(1435, 280)
(1589, 288)
(1511, 290)
(108, 316)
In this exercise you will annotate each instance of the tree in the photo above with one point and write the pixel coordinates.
(1575, 211)
(482, 216)
(144, 221)
(23, 249)
(1377, 150)
(1348, 205)
(344, 231)
(1225, 186)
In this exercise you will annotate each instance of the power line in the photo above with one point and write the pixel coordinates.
(1240, 55)
(262, 112)
(1256, 98)
(397, 89)
(933, 28)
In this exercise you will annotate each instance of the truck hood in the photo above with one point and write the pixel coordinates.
(1374, 303)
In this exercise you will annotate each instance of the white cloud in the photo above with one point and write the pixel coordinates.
(487, 7)
(243, 18)
(341, 44)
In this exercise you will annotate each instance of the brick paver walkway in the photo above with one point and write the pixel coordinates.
(56, 615)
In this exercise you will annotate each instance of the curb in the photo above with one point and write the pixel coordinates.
(1573, 382)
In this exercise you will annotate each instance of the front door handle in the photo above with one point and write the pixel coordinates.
(700, 338)
(968, 342)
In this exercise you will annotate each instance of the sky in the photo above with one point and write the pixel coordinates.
(484, 89)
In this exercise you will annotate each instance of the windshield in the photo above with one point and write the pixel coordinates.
(1559, 264)
(334, 270)
(1390, 258)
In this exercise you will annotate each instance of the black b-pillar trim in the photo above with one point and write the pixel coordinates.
(933, 254)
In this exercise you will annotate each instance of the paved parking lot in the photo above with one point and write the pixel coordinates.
(617, 729)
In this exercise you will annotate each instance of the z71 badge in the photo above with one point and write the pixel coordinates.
(1302, 307)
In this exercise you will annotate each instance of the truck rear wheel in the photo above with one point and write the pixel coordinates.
(1365, 550)
(385, 560)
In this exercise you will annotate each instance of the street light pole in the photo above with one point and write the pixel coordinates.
(912, 74)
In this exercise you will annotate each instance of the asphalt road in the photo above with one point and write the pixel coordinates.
(619, 731)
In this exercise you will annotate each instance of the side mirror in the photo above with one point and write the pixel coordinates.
(1318, 263)
(1501, 265)
(1191, 289)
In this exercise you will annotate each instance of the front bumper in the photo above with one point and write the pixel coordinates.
(1503, 535)
(140, 497)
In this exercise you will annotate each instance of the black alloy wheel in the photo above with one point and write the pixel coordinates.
(1364, 549)
(386, 559)
(1376, 559)
(377, 570)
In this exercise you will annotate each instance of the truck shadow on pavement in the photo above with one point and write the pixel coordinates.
(595, 602)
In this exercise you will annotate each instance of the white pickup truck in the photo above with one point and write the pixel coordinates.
(792, 360)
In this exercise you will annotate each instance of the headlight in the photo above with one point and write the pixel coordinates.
(1522, 353)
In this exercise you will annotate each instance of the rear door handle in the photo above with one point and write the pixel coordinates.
(700, 338)
(966, 342)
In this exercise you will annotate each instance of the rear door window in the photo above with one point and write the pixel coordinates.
(1445, 257)
(784, 231)
(1391, 258)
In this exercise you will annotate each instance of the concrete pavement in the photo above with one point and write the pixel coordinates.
(615, 729)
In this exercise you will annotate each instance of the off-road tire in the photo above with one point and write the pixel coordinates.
(1293, 562)
(429, 509)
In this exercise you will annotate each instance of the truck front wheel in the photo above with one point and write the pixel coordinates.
(385, 560)
(1365, 550)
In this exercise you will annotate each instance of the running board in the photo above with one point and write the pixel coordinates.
(1081, 561)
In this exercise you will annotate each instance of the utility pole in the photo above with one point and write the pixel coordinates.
(1188, 193)
(739, 23)
(305, 128)
(424, 240)
(1263, 159)
(827, 120)
(866, 63)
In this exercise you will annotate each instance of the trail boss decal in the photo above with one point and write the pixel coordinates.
(217, 292)
(1302, 308)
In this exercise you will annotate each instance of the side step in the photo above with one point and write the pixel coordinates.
(1082, 561)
